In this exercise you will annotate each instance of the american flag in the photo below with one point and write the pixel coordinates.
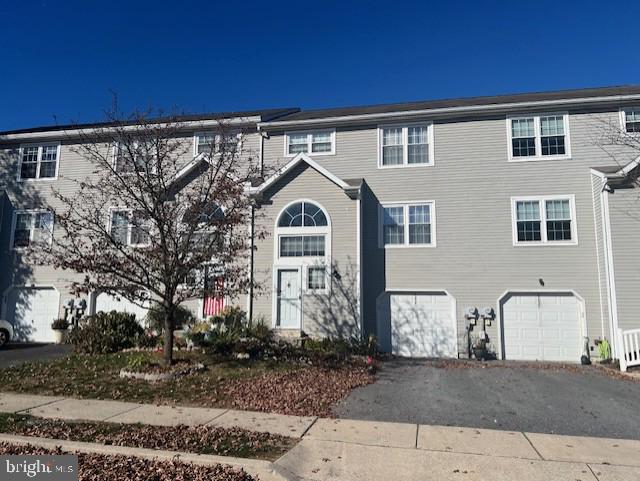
(214, 304)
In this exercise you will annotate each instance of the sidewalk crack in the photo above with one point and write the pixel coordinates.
(532, 446)
(308, 427)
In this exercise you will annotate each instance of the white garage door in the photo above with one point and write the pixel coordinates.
(106, 303)
(544, 327)
(423, 325)
(31, 310)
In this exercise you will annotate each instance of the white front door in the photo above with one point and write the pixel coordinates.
(542, 327)
(289, 299)
(31, 310)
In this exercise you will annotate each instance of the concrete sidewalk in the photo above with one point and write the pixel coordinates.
(364, 450)
(130, 413)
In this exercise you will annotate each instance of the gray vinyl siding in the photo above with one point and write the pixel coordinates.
(73, 167)
(624, 205)
(304, 182)
(472, 183)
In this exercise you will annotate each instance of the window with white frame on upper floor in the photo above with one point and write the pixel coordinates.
(537, 137)
(542, 220)
(631, 120)
(314, 142)
(212, 142)
(410, 224)
(130, 227)
(402, 146)
(132, 158)
(31, 227)
(39, 161)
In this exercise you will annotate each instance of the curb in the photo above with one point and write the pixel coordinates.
(265, 470)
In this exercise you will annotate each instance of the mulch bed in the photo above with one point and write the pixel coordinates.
(193, 439)
(97, 467)
(312, 391)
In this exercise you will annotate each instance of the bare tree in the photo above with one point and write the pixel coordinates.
(620, 141)
(154, 213)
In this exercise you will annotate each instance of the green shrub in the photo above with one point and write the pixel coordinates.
(61, 324)
(343, 347)
(231, 317)
(148, 340)
(604, 350)
(156, 317)
(106, 332)
(259, 330)
(222, 340)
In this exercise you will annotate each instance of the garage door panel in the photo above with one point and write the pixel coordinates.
(423, 325)
(31, 310)
(548, 326)
(106, 303)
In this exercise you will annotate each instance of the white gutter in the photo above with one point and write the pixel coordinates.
(450, 110)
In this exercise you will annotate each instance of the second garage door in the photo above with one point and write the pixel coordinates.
(423, 325)
(31, 310)
(543, 327)
(106, 303)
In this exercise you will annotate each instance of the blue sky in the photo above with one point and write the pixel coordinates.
(59, 60)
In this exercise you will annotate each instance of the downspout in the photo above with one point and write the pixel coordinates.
(251, 264)
(611, 288)
(359, 258)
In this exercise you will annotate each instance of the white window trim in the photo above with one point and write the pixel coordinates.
(623, 118)
(39, 145)
(114, 163)
(113, 209)
(405, 149)
(405, 212)
(309, 134)
(327, 278)
(543, 220)
(201, 133)
(32, 227)
(304, 262)
(538, 137)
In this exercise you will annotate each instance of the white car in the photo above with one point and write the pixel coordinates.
(6, 332)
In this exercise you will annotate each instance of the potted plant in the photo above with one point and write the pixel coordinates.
(60, 327)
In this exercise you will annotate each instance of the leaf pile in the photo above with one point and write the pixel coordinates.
(312, 391)
(193, 439)
(98, 467)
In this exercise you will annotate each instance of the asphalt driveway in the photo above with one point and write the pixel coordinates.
(18, 353)
(578, 401)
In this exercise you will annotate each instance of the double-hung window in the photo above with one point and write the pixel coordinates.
(208, 143)
(39, 161)
(539, 137)
(32, 228)
(631, 120)
(411, 224)
(542, 220)
(132, 158)
(316, 142)
(410, 145)
(316, 278)
(130, 227)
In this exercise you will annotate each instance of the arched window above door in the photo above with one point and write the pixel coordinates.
(303, 214)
